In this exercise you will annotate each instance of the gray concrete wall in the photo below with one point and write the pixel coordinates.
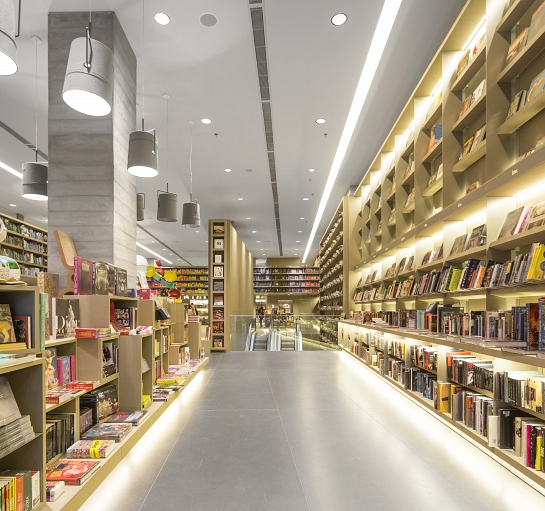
(92, 197)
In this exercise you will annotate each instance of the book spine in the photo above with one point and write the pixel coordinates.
(72, 367)
(43, 308)
(76, 275)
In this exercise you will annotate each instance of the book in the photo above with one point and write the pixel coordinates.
(90, 449)
(133, 418)
(83, 276)
(467, 147)
(67, 314)
(477, 237)
(465, 105)
(7, 332)
(514, 222)
(82, 384)
(23, 332)
(463, 63)
(101, 282)
(72, 472)
(120, 282)
(479, 136)
(472, 187)
(516, 46)
(53, 490)
(536, 87)
(218, 229)
(63, 370)
(479, 91)
(9, 411)
(458, 245)
(48, 283)
(537, 265)
(114, 432)
(218, 271)
(518, 101)
(218, 243)
(536, 217)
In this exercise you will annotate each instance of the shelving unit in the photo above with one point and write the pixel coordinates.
(219, 232)
(300, 280)
(25, 243)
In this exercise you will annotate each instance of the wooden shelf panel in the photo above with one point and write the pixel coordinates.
(464, 256)
(470, 158)
(434, 117)
(431, 190)
(525, 113)
(476, 109)
(434, 152)
(513, 15)
(527, 55)
(536, 235)
(470, 71)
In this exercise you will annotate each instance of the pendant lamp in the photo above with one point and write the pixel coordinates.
(89, 76)
(140, 206)
(191, 211)
(34, 183)
(142, 159)
(167, 206)
(8, 48)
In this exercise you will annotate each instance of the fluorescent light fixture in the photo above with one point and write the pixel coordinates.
(253, 232)
(206, 121)
(380, 38)
(152, 252)
(227, 170)
(258, 241)
(528, 189)
(240, 198)
(320, 121)
(10, 170)
(302, 218)
(474, 34)
(248, 218)
(339, 19)
(162, 18)
(306, 198)
(312, 170)
(299, 231)
(13, 205)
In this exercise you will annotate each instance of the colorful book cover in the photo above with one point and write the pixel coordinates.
(467, 147)
(121, 282)
(100, 276)
(517, 102)
(111, 279)
(537, 265)
(110, 431)
(67, 313)
(127, 417)
(90, 449)
(541, 315)
(7, 332)
(83, 276)
(72, 472)
(23, 333)
(48, 283)
(459, 244)
(511, 222)
(537, 85)
(532, 311)
(63, 370)
(516, 46)
(538, 22)
(463, 63)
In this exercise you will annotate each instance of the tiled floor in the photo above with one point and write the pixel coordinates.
(294, 431)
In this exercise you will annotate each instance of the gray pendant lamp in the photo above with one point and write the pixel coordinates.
(191, 211)
(8, 48)
(167, 206)
(140, 206)
(89, 76)
(142, 159)
(34, 183)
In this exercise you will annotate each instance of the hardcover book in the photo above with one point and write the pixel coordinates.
(67, 313)
(72, 472)
(9, 411)
(114, 432)
(21, 327)
(48, 283)
(90, 449)
(121, 282)
(7, 332)
(536, 87)
(101, 282)
(133, 418)
(516, 46)
(538, 22)
(83, 276)
(477, 237)
(479, 136)
(517, 102)
(459, 244)
(463, 63)
(536, 217)
(472, 187)
(467, 147)
(514, 222)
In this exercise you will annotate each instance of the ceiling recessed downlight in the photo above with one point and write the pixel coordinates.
(302, 218)
(240, 198)
(197, 231)
(306, 198)
(206, 121)
(227, 170)
(339, 19)
(253, 232)
(312, 170)
(13, 205)
(208, 20)
(248, 218)
(320, 121)
(162, 18)
(258, 241)
(299, 231)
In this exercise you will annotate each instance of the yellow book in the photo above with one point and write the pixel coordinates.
(444, 397)
(537, 265)
(539, 441)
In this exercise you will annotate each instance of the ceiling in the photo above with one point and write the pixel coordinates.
(210, 72)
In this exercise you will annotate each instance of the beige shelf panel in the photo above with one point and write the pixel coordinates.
(476, 109)
(477, 62)
(431, 190)
(470, 158)
(525, 114)
(434, 152)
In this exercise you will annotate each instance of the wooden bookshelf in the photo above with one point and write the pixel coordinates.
(26, 243)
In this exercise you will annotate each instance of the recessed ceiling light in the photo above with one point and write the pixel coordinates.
(312, 170)
(339, 19)
(171, 254)
(240, 198)
(162, 18)
(206, 121)
(164, 249)
(383, 29)
(206, 241)
(226, 170)
(253, 232)
(13, 205)
(208, 20)
(179, 259)
(248, 218)
(197, 231)
(299, 231)
(305, 198)
(320, 121)
(46, 220)
(302, 218)
(258, 241)
(297, 242)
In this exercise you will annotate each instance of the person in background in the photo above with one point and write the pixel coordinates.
(260, 314)
(193, 310)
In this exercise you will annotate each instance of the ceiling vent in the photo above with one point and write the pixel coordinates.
(258, 28)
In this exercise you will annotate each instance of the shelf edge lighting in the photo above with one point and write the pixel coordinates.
(380, 38)
(152, 252)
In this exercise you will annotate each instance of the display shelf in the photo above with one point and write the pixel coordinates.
(526, 56)
(409, 148)
(476, 109)
(409, 208)
(476, 63)
(513, 15)
(434, 152)
(470, 158)
(464, 256)
(536, 235)
(430, 266)
(409, 178)
(431, 190)
(525, 113)
(433, 117)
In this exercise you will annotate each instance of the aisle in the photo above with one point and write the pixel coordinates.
(304, 430)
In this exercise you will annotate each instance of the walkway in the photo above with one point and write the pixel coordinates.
(301, 431)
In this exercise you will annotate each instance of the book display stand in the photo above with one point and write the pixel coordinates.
(437, 206)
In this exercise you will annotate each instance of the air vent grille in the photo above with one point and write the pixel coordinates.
(258, 27)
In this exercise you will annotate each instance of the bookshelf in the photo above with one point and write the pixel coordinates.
(299, 280)
(419, 196)
(25, 243)
(219, 234)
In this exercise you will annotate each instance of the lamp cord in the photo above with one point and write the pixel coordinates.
(168, 154)
(143, 61)
(190, 163)
(36, 102)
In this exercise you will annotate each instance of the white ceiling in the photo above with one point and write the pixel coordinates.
(314, 68)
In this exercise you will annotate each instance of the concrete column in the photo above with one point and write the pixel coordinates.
(92, 197)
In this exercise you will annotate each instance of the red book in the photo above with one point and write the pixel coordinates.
(82, 385)
(83, 276)
(72, 472)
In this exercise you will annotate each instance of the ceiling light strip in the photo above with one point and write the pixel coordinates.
(258, 29)
(152, 252)
(11, 171)
(380, 38)
(166, 246)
